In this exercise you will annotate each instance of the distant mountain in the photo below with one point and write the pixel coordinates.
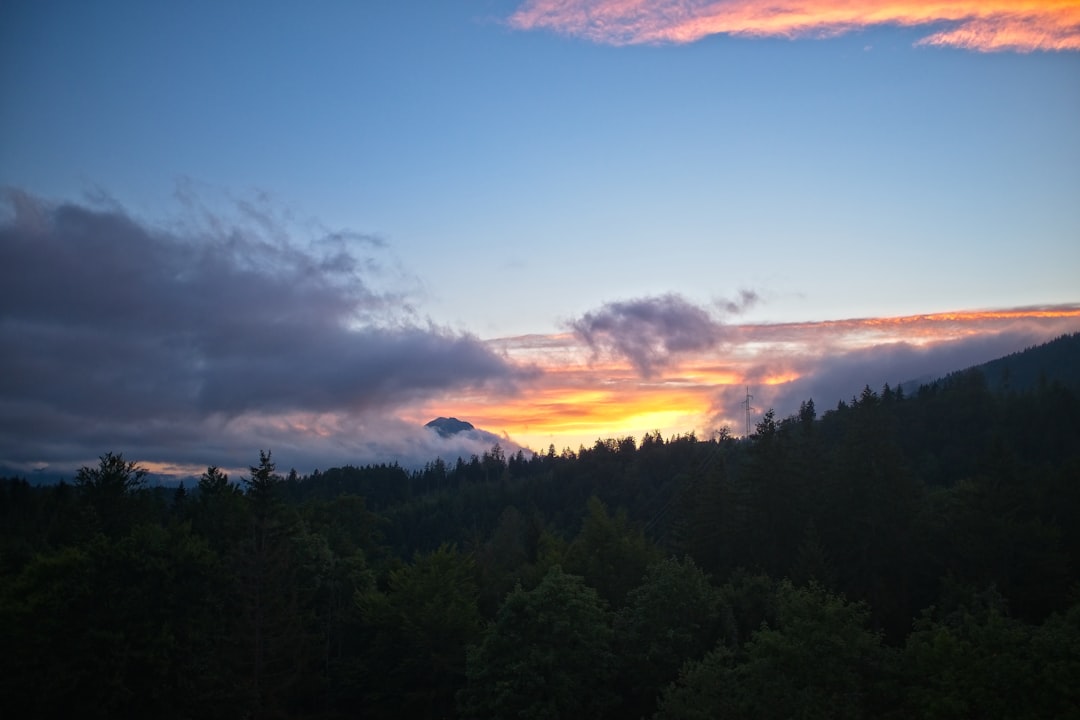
(449, 426)
(1057, 361)
(462, 439)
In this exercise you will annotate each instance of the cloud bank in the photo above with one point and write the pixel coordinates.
(203, 341)
(978, 25)
(844, 375)
(208, 340)
(665, 363)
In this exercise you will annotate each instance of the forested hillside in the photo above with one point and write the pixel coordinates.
(1025, 370)
(899, 555)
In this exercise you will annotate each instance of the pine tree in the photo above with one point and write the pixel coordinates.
(271, 632)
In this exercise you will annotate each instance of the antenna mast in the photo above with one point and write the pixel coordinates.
(749, 409)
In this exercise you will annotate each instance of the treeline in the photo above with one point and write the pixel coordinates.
(898, 556)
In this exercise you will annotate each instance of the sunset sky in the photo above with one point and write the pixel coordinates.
(311, 228)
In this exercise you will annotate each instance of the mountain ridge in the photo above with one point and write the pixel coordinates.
(448, 426)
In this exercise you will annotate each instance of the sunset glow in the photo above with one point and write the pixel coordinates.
(983, 26)
(577, 398)
(315, 230)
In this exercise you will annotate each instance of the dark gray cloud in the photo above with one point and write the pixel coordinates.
(650, 332)
(188, 340)
(746, 300)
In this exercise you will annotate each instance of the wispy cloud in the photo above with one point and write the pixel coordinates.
(640, 383)
(979, 25)
(746, 300)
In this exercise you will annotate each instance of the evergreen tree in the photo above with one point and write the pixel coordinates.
(110, 491)
(271, 634)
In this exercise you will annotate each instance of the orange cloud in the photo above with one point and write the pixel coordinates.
(910, 328)
(980, 25)
(578, 397)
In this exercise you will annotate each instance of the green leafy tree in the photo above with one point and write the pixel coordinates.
(610, 553)
(988, 531)
(126, 627)
(976, 661)
(548, 655)
(674, 616)
(751, 598)
(705, 690)
(420, 628)
(819, 661)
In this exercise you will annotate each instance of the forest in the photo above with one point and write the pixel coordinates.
(910, 552)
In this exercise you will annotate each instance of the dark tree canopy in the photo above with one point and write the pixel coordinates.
(914, 552)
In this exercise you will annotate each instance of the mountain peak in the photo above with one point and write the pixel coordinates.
(449, 426)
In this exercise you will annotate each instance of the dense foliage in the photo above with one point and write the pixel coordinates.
(902, 555)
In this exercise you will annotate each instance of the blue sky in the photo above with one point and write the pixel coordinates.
(520, 178)
(525, 177)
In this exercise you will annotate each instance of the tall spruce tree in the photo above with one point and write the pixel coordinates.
(271, 634)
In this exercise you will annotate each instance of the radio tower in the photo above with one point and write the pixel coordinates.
(749, 409)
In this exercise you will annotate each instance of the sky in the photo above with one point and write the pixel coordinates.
(311, 228)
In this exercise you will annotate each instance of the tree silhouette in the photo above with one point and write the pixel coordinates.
(109, 491)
